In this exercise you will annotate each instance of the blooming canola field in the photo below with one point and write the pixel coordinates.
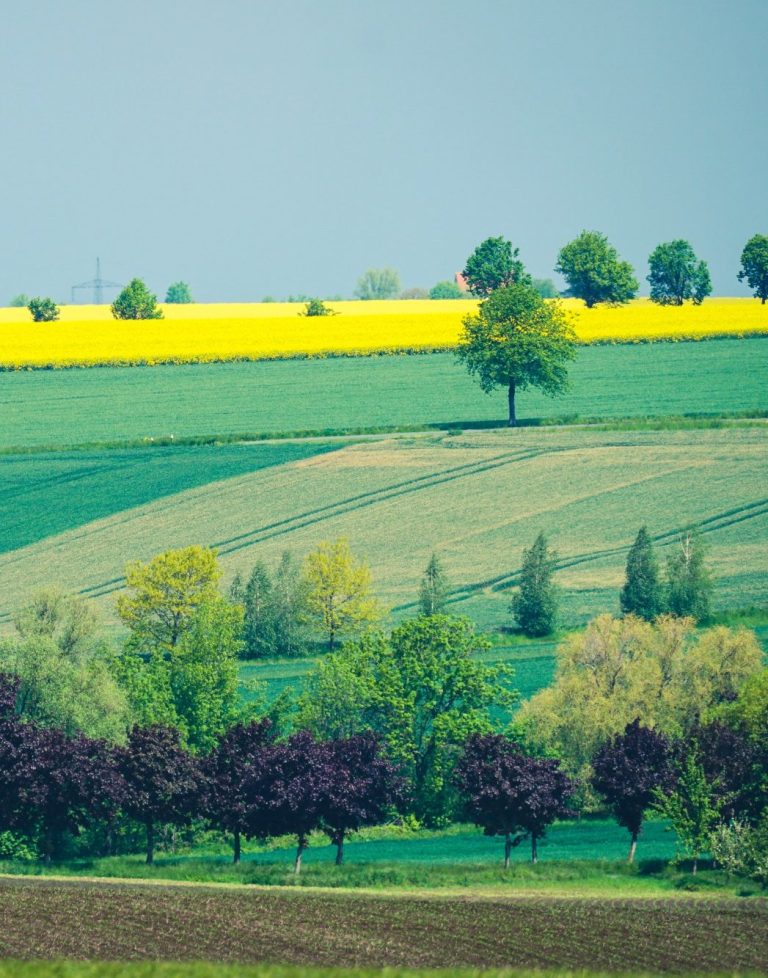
(199, 333)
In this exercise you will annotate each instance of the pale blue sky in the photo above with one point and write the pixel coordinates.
(252, 147)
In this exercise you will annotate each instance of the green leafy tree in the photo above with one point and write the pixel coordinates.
(415, 292)
(535, 603)
(446, 290)
(65, 668)
(316, 307)
(754, 266)
(517, 340)
(43, 310)
(164, 593)
(642, 594)
(338, 591)
(594, 272)
(545, 287)
(178, 292)
(666, 673)
(136, 302)
(275, 607)
(493, 265)
(378, 283)
(434, 591)
(689, 582)
(422, 691)
(691, 807)
(19, 301)
(676, 274)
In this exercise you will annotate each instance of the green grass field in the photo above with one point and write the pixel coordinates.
(73, 407)
(476, 498)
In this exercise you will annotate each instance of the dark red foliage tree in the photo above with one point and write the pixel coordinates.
(509, 793)
(286, 790)
(735, 767)
(13, 753)
(628, 769)
(362, 786)
(225, 798)
(162, 781)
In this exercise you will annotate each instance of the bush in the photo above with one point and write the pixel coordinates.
(43, 310)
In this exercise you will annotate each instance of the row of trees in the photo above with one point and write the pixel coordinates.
(595, 273)
(710, 784)
(134, 302)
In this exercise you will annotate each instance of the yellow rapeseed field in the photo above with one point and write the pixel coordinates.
(88, 335)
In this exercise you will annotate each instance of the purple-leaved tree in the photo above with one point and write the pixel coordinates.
(507, 792)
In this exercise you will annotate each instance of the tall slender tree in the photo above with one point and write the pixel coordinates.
(689, 582)
(642, 594)
(535, 604)
(433, 594)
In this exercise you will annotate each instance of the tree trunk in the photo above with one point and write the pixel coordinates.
(534, 850)
(236, 856)
(507, 850)
(150, 843)
(48, 843)
(695, 864)
(632, 848)
(339, 849)
(299, 853)
(511, 402)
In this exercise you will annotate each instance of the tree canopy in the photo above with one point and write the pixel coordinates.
(178, 293)
(642, 594)
(338, 590)
(518, 340)
(594, 272)
(535, 602)
(378, 283)
(676, 274)
(754, 266)
(136, 302)
(447, 289)
(493, 265)
(43, 310)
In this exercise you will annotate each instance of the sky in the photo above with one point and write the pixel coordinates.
(276, 147)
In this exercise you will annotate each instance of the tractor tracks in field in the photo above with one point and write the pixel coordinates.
(508, 580)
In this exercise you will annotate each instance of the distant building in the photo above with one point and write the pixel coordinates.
(459, 279)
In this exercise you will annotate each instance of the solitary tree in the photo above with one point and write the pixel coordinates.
(628, 771)
(689, 582)
(754, 266)
(378, 283)
(136, 302)
(494, 264)
(164, 593)
(517, 340)
(363, 786)
(162, 780)
(338, 589)
(43, 310)
(676, 274)
(642, 594)
(594, 272)
(316, 307)
(178, 292)
(434, 591)
(535, 604)
(19, 301)
(446, 290)
(508, 793)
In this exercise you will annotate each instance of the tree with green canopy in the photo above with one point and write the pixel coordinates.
(178, 293)
(518, 340)
(378, 283)
(689, 581)
(594, 272)
(136, 302)
(642, 594)
(754, 266)
(446, 290)
(434, 590)
(535, 603)
(493, 265)
(676, 274)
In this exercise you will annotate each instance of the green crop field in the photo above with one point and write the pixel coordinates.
(476, 498)
(105, 404)
(49, 919)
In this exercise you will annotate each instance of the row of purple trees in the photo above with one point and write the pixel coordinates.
(249, 785)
